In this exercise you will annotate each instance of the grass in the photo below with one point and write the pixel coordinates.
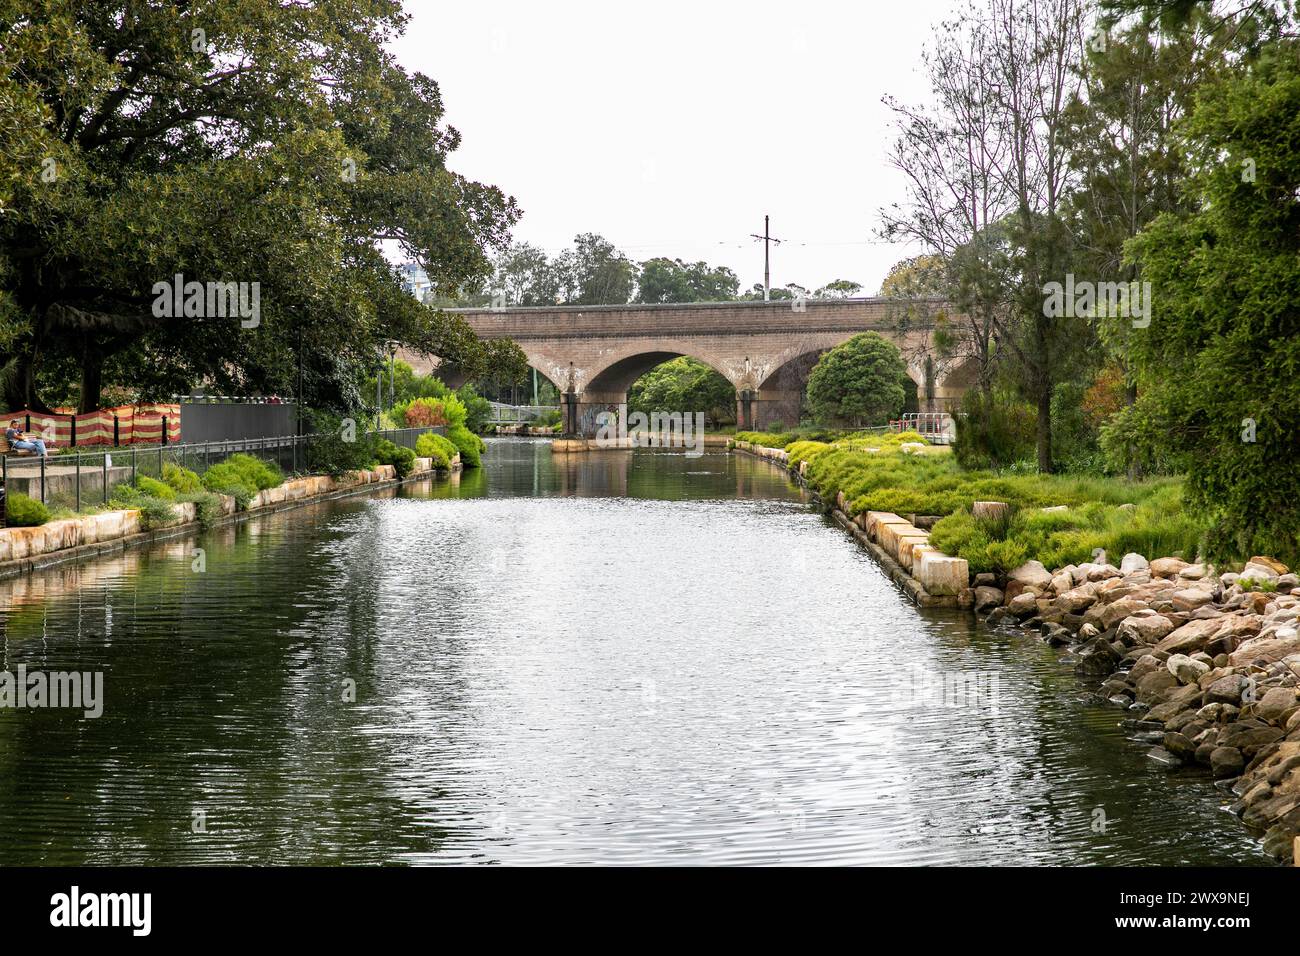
(1111, 514)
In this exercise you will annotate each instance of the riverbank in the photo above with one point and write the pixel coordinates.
(1205, 664)
(24, 550)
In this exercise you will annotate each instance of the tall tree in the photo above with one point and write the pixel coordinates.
(245, 141)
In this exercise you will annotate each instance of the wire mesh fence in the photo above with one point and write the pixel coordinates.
(88, 478)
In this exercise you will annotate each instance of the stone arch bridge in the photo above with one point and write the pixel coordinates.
(593, 354)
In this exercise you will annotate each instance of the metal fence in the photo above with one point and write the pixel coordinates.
(89, 478)
(503, 414)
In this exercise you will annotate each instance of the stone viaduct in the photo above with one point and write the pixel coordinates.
(593, 354)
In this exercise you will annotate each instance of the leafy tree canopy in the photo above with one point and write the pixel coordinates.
(860, 382)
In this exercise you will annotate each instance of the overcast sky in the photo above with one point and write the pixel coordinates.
(672, 128)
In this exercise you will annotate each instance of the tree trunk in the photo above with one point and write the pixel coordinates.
(1044, 430)
(92, 379)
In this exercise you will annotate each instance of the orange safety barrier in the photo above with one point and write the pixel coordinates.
(129, 424)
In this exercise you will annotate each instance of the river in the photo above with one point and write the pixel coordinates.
(617, 657)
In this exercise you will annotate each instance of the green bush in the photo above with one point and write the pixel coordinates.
(468, 444)
(435, 446)
(155, 488)
(24, 512)
(338, 446)
(181, 480)
(260, 473)
(155, 512)
(402, 459)
(207, 506)
(225, 478)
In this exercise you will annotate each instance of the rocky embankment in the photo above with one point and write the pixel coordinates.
(1206, 664)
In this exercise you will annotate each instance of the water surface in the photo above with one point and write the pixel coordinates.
(617, 657)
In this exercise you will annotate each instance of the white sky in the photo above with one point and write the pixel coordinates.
(671, 128)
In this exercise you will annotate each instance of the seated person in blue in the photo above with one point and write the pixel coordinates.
(18, 441)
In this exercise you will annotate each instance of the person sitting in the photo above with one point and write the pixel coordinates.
(20, 441)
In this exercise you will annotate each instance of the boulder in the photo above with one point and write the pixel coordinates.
(1274, 706)
(1191, 637)
(1145, 628)
(1096, 658)
(1187, 671)
(1167, 567)
(1023, 604)
(1031, 574)
(1282, 643)
(1133, 562)
(1259, 572)
(1189, 599)
(1226, 761)
(1150, 687)
(1226, 690)
(1109, 615)
(987, 598)
(1193, 572)
(1273, 564)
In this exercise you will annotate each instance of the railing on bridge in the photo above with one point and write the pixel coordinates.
(503, 414)
(938, 428)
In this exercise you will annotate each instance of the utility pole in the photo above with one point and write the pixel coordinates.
(767, 240)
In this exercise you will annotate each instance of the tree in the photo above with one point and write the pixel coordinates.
(684, 385)
(672, 280)
(249, 142)
(1217, 370)
(839, 289)
(860, 382)
(594, 272)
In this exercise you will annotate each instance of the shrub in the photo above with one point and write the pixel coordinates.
(468, 444)
(24, 512)
(402, 459)
(330, 451)
(260, 473)
(181, 480)
(226, 479)
(155, 512)
(435, 446)
(154, 488)
(207, 506)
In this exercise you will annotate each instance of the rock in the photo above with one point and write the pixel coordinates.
(1281, 844)
(1076, 599)
(1189, 599)
(1100, 572)
(1107, 616)
(1275, 704)
(1056, 634)
(1096, 658)
(986, 580)
(1146, 664)
(1288, 583)
(1062, 583)
(996, 616)
(1031, 574)
(1023, 604)
(1191, 637)
(1193, 572)
(1283, 643)
(1145, 629)
(1133, 562)
(1179, 745)
(1226, 761)
(1167, 567)
(1226, 690)
(987, 598)
(1188, 671)
(1152, 685)
(1249, 736)
(1273, 564)
(1259, 572)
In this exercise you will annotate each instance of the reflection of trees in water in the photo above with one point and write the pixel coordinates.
(223, 692)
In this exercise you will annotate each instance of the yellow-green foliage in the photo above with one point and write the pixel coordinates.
(435, 446)
(804, 451)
